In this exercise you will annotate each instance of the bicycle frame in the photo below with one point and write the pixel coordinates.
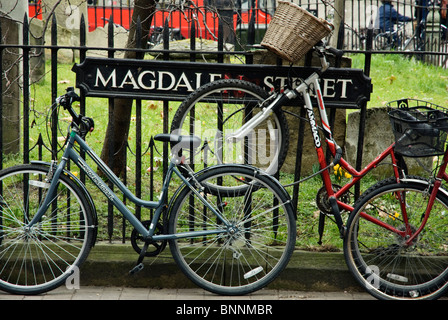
(70, 153)
(304, 90)
(440, 177)
(358, 175)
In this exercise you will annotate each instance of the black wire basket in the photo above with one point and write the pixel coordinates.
(420, 127)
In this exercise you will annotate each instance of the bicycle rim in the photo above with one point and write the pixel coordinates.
(249, 255)
(383, 42)
(378, 258)
(38, 259)
(219, 109)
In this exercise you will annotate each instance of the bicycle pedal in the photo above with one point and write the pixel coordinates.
(136, 269)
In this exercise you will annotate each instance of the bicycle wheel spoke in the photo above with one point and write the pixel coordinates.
(246, 254)
(418, 269)
(38, 258)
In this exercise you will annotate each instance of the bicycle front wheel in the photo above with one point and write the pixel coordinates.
(379, 257)
(254, 244)
(218, 109)
(39, 258)
(383, 41)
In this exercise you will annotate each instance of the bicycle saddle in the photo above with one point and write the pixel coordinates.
(179, 141)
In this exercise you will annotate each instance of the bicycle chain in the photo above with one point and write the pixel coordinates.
(322, 199)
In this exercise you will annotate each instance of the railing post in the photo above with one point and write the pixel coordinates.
(110, 54)
(151, 174)
(192, 112)
(82, 56)
(220, 57)
(166, 56)
(54, 87)
(1, 100)
(26, 90)
(193, 42)
(251, 29)
(362, 115)
(138, 129)
(250, 38)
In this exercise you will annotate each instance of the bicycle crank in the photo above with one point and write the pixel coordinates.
(322, 200)
(153, 247)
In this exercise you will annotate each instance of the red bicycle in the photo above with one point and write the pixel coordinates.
(395, 244)
(234, 114)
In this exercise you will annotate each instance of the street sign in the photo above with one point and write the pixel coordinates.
(174, 80)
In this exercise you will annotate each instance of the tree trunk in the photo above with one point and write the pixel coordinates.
(118, 131)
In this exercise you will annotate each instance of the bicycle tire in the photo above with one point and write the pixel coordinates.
(41, 258)
(378, 258)
(235, 98)
(383, 41)
(250, 254)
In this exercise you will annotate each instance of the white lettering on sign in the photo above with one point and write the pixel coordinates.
(104, 82)
(169, 81)
(329, 86)
(151, 80)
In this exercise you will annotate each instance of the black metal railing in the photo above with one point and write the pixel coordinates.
(50, 149)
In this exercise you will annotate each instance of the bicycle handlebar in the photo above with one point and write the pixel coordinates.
(336, 52)
(67, 99)
(85, 124)
(321, 49)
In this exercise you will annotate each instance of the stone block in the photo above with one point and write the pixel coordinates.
(11, 93)
(378, 136)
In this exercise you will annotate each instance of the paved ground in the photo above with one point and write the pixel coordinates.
(124, 293)
(196, 303)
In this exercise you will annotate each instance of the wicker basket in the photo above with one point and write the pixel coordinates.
(293, 31)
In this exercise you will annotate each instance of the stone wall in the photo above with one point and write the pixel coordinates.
(378, 136)
(68, 16)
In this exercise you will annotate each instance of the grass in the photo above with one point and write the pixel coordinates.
(393, 77)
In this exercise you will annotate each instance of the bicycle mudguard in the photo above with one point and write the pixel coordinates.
(84, 190)
(423, 181)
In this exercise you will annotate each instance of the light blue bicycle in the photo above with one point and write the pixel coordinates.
(227, 239)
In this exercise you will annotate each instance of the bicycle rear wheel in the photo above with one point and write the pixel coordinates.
(379, 258)
(40, 258)
(255, 248)
(219, 108)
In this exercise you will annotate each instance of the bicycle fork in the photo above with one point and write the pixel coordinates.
(436, 185)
